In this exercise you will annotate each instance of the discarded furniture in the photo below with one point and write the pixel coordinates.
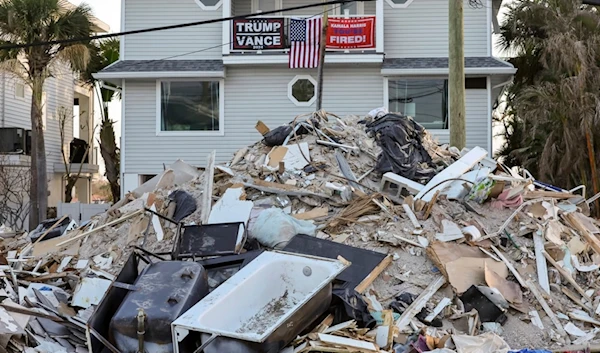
(263, 307)
(209, 240)
(363, 261)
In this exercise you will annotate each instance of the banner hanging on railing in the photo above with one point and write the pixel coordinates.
(351, 33)
(258, 34)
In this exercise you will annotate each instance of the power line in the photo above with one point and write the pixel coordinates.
(183, 25)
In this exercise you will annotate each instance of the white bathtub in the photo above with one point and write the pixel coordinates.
(268, 302)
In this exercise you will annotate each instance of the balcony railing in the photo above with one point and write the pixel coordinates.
(271, 34)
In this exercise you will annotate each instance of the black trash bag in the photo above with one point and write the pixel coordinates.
(185, 204)
(404, 300)
(347, 305)
(277, 136)
(401, 141)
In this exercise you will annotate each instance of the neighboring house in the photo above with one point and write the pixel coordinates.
(188, 91)
(62, 91)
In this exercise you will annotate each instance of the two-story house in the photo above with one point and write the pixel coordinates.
(63, 93)
(190, 90)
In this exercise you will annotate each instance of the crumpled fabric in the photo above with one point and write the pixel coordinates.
(401, 141)
(488, 342)
(273, 228)
(350, 305)
(501, 202)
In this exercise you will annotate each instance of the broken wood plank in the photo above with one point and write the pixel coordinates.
(586, 233)
(347, 171)
(282, 189)
(438, 309)
(348, 342)
(419, 303)
(341, 326)
(312, 214)
(364, 285)
(413, 243)
(388, 320)
(109, 224)
(430, 205)
(209, 178)
(50, 229)
(542, 269)
(411, 216)
(510, 266)
(262, 128)
(583, 317)
(553, 194)
(538, 295)
(48, 277)
(566, 291)
(567, 276)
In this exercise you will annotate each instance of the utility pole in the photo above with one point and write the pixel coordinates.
(323, 45)
(456, 77)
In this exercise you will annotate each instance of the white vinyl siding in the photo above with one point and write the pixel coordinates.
(477, 118)
(140, 14)
(251, 94)
(421, 30)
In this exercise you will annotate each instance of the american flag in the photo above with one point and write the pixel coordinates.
(305, 36)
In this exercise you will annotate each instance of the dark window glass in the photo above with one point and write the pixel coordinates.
(190, 106)
(426, 101)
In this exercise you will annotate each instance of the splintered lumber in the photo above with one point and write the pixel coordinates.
(567, 276)
(510, 266)
(538, 295)
(584, 231)
(542, 268)
(419, 303)
(388, 321)
(347, 342)
(573, 296)
(50, 229)
(411, 216)
(209, 178)
(553, 194)
(109, 224)
(282, 189)
(438, 309)
(362, 287)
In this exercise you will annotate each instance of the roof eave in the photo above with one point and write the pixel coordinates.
(158, 74)
(445, 71)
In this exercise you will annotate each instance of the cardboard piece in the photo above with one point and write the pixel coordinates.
(468, 271)
(576, 246)
(441, 253)
(262, 128)
(276, 155)
(511, 291)
(49, 247)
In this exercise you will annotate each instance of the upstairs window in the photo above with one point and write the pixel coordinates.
(19, 90)
(302, 90)
(260, 6)
(426, 101)
(399, 3)
(192, 106)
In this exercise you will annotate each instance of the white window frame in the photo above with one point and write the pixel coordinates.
(220, 132)
(399, 6)
(24, 90)
(209, 8)
(290, 87)
(386, 98)
(360, 9)
(254, 6)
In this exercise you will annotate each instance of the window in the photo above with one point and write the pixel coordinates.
(259, 6)
(426, 101)
(190, 106)
(399, 3)
(145, 178)
(19, 90)
(302, 90)
(209, 4)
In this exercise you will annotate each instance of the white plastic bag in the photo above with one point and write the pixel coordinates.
(273, 228)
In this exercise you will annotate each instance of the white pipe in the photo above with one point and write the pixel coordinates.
(502, 84)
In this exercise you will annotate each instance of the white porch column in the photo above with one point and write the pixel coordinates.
(226, 27)
(378, 26)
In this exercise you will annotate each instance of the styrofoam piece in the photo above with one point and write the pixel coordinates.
(455, 189)
(231, 310)
(89, 292)
(231, 209)
(455, 170)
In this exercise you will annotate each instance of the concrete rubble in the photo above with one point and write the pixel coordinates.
(460, 254)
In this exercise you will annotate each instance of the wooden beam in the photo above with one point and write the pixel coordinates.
(510, 266)
(284, 190)
(419, 303)
(567, 276)
(109, 224)
(553, 194)
(536, 293)
(348, 342)
(411, 216)
(364, 285)
(209, 178)
(586, 233)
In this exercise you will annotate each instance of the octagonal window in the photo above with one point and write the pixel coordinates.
(209, 4)
(302, 90)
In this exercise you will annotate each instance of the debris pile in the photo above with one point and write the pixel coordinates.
(370, 236)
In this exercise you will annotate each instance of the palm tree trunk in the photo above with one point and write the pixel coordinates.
(39, 180)
(108, 149)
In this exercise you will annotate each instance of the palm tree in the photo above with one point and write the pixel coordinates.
(104, 54)
(553, 106)
(41, 21)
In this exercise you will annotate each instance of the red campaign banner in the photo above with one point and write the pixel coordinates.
(351, 33)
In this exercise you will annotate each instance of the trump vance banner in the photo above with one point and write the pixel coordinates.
(351, 33)
(258, 34)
